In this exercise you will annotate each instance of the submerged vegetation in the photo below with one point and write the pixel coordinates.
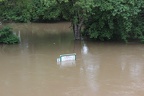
(103, 19)
(7, 36)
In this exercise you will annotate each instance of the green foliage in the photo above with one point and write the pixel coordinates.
(116, 19)
(103, 19)
(29, 10)
(76, 11)
(45, 10)
(7, 36)
(16, 10)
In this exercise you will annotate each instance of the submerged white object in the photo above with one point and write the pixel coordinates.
(67, 57)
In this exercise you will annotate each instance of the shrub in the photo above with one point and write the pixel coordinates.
(7, 36)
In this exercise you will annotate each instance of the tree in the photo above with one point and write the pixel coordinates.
(115, 19)
(43, 10)
(76, 11)
(103, 19)
(29, 10)
(15, 10)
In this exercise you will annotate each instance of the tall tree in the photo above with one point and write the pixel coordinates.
(76, 11)
(117, 19)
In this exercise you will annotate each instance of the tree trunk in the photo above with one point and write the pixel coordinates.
(77, 30)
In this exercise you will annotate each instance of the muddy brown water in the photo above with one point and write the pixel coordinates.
(101, 69)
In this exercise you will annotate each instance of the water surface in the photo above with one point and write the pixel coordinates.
(101, 69)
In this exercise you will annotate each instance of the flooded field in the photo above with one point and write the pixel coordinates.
(30, 68)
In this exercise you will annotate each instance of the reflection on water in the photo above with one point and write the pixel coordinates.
(100, 69)
(84, 49)
(65, 64)
(90, 69)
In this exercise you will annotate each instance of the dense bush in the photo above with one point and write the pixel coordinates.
(120, 21)
(7, 36)
(29, 11)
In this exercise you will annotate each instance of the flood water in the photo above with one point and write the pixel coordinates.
(101, 69)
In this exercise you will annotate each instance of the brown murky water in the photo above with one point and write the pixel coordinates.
(101, 69)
